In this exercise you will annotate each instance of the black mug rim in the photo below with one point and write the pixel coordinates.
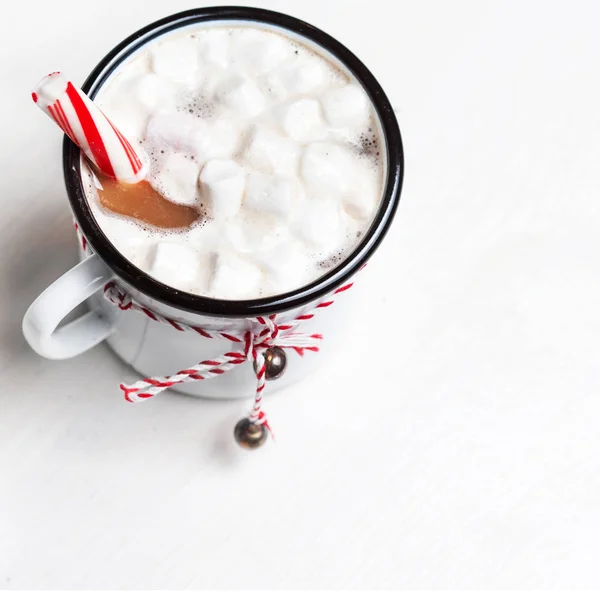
(259, 306)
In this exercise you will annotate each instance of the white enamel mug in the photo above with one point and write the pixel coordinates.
(153, 348)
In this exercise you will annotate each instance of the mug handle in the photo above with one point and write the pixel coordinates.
(41, 321)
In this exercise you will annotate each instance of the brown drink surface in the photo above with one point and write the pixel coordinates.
(142, 202)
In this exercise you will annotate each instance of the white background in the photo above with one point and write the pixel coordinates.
(454, 444)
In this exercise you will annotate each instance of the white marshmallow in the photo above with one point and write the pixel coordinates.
(131, 100)
(207, 84)
(222, 182)
(270, 194)
(295, 78)
(176, 131)
(359, 206)
(234, 277)
(347, 106)
(268, 151)
(285, 266)
(145, 93)
(241, 94)
(327, 168)
(213, 48)
(254, 51)
(303, 122)
(222, 138)
(319, 225)
(178, 179)
(154, 93)
(361, 199)
(176, 60)
(135, 245)
(252, 232)
(139, 252)
(201, 139)
(176, 265)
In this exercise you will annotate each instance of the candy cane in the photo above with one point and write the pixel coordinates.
(89, 128)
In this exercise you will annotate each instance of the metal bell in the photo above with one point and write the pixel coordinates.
(275, 362)
(250, 435)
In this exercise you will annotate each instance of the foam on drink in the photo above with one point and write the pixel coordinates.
(266, 163)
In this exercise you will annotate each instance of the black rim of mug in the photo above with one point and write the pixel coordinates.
(259, 306)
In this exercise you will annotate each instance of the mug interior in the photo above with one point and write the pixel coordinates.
(309, 36)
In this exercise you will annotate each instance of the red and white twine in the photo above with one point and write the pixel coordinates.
(263, 333)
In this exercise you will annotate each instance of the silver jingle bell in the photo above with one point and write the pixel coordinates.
(250, 435)
(275, 362)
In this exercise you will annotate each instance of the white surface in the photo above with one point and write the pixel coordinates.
(453, 445)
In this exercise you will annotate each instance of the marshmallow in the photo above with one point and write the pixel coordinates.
(359, 206)
(347, 106)
(234, 277)
(139, 252)
(222, 138)
(285, 266)
(269, 194)
(147, 90)
(319, 225)
(154, 93)
(295, 78)
(134, 244)
(327, 168)
(213, 47)
(268, 151)
(176, 265)
(175, 60)
(254, 51)
(241, 94)
(222, 182)
(201, 139)
(181, 132)
(252, 232)
(361, 199)
(131, 100)
(177, 180)
(303, 122)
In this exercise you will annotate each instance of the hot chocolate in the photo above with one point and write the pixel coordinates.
(266, 161)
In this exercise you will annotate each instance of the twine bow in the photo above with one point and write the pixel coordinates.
(263, 333)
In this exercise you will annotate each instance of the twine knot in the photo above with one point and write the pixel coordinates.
(262, 333)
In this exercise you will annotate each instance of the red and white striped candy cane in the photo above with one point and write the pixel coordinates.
(89, 128)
